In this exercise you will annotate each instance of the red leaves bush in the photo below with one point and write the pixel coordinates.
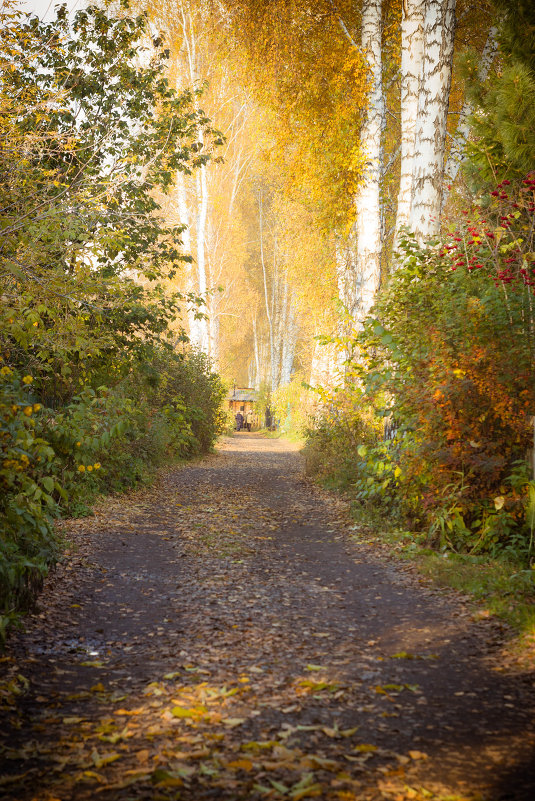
(451, 353)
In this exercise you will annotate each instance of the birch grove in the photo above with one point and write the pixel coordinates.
(272, 277)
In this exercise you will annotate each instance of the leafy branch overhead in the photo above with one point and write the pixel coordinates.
(89, 136)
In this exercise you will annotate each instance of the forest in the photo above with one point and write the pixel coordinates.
(327, 208)
(329, 201)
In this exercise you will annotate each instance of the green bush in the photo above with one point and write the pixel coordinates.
(93, 395)
(54, 462)
(27, 503)
(448, 359)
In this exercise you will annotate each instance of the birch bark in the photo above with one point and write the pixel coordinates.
(269, 315)
(279, 298)
(433, 101)
(412, 49)
(201, 185)
(184, 217)
(324, 367)
(288, 343)
(368, 198)
(200, 229)
(256, 356)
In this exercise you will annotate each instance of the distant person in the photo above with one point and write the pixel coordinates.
(239, 421)
(249, 419)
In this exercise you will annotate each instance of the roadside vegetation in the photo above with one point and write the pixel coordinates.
(431, 434)
(97, 383)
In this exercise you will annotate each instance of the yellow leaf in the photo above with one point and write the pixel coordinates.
(138, 711)
(313, 761)
(91, 775)
(241, 764)
(348, 732)
(313, 791)
(499, 502)
(417, 755)
(181, 712)
(105, 759)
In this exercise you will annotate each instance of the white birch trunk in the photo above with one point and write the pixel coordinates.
(456, 154)
(288, 344)
(279, 308)
(213, 329)
(324, 367)
(266, 297)
(200, 230)
(202, 339)
(184, 216)
(412, 49)
(256, 356)
(368, 199)
(433, 101)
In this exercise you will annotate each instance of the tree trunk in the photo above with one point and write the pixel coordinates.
(279, 304)
(200, 230)
(412, 49)
(433, 101)
(258, 377)
(324, 367)
(288, 344)
(266, 297)
(456, 155)
(184, 216)
(368, 198)
(213, 328)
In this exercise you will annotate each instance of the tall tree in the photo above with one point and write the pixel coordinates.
(412, 48)
(368, 196)
(431, 124)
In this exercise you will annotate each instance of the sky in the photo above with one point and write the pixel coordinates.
(45, 8)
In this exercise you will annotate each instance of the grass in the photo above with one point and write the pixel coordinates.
(502, 588)
(498, 587)
(291, 435)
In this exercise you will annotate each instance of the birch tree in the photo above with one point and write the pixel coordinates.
(368, 198)
(268, 305)
(412, 48)
(431, 125)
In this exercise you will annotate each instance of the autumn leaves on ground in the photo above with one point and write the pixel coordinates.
(224, 635)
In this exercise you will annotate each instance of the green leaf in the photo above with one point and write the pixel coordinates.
(48, 483)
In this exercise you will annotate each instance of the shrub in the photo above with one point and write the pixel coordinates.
(27, 505)
(54, 461)
(449, 359)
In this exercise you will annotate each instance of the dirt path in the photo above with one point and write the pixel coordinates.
(222, 637)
